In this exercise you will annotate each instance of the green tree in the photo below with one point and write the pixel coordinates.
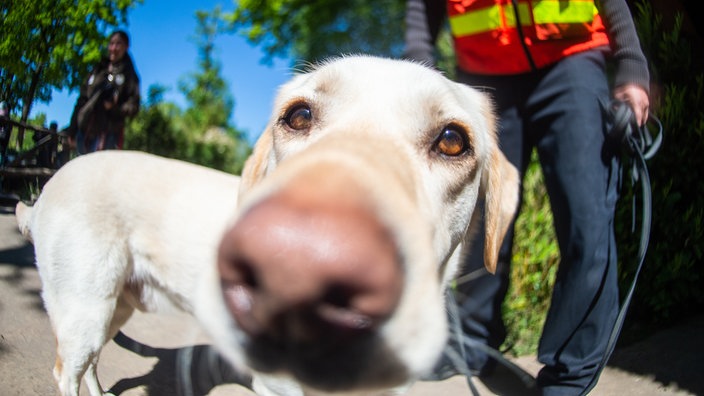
(47, 44)
(203, 133)
(154, 129)
(315, 30)
(208, 94)
(307, 31)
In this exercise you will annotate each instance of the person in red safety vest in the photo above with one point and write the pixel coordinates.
(544, 62)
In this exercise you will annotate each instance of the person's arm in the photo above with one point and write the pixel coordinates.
(131, 105)
(129, 94)
(423, 21)
(632, 79)
(80, 102)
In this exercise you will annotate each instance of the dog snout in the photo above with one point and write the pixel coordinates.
(310, 261)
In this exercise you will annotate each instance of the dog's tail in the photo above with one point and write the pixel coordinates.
(23, 213)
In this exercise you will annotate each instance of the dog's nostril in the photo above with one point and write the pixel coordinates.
(338, 296)
(344, 318)
(336, 308)
(236, 270)
(239, 284)
(247, 274)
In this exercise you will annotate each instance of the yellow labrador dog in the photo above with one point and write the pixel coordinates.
(326, 273)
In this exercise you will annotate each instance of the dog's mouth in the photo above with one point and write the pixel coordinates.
(327, 344)
(332, 361)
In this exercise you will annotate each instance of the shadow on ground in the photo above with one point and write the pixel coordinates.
(17, 261)
(187, 371)
(20, 257)
(670, 356)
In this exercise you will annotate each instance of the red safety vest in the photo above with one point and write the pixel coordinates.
(487, 39)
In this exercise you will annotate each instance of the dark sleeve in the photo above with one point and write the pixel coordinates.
(80, 102)
(73, 123)
(130, 107)
(631, 65)
(423, 21)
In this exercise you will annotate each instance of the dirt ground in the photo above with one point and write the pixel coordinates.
(670, 362)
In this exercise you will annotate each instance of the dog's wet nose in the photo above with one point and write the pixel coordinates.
(310, 262)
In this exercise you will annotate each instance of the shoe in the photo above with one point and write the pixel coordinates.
(509, 381)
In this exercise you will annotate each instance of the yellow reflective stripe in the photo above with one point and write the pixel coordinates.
(544, 11)
(523, 14)
(562, 11)
(488, 19)
(475, 22)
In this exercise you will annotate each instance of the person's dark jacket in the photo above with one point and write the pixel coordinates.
(90, 114)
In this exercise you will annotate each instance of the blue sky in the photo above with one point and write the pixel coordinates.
(163, 49)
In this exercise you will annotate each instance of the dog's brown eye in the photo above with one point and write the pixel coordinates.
(451, 142)
(299, 117)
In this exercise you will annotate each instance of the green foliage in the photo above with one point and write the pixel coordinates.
(446, 61)
(201, 134)
(671, 284)
(315, 30)
(535, 260)
(208, 95)
(48, 44)
(162, 128)
(154, 129)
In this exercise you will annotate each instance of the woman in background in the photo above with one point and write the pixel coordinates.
(108, 97)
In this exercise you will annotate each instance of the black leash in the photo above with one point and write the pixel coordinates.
(638, 145)
(457, 355)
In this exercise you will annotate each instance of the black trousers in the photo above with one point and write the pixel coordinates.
(559, 111)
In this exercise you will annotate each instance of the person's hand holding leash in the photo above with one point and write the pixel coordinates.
(637, 98)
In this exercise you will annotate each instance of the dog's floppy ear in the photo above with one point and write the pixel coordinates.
(501, 188)
(256, 165)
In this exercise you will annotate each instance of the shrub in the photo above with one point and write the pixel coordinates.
(159, 129)
(535, 260)
(671, 285)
